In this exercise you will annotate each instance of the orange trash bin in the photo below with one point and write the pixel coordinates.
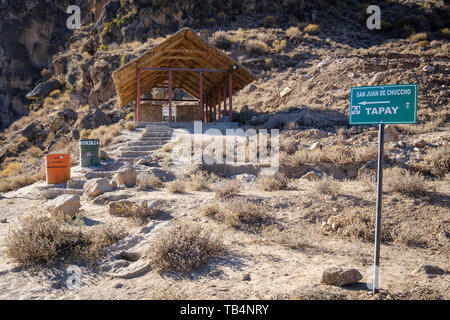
(58, 168)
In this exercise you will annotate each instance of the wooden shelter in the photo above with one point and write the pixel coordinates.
(188, 62)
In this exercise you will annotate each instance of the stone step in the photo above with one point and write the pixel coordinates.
(149, 144)
(127, 159)
(136, 154)
(143, 148)
(157, 134)
(155, 140)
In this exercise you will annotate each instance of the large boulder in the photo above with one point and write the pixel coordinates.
(75, 184)
(125, 176)
(52, 193)
(43, 89)
(66, 204)
(96, 187)
(340, 277)
(94, 119)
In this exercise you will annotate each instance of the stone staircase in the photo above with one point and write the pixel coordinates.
(153, 137)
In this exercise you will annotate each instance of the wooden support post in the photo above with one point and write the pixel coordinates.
(224, 100)
(170, 95)
(138, 95)
(201, 97)
(230, 96)
(219, 101)
(215, 109)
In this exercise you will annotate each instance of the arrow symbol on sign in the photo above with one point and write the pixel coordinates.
(373, 102)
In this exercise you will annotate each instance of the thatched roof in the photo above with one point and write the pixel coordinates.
(185, 49)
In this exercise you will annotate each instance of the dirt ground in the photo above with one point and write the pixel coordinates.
(256, 265)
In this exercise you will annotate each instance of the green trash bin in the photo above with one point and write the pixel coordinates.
(89, 152)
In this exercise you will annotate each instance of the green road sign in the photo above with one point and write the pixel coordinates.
(383, 104)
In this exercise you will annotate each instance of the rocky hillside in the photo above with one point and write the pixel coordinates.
(305, 54)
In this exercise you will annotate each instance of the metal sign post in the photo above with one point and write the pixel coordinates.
(382, 105)
(376, 274)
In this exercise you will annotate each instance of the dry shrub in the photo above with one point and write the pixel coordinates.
(34, 152)
(19, 181)
(327, 185)
(147, 181)
(11, 169)
(269, 21)
(272, 183)
(226, 189)
(292, 237)
(130, 126)
(293, 33)
(39, 239)
(221, 40)
(312, 29)
(410, 235)
(183, 247)
(418, 37)
(438, 161)
(257, 48)
(138, 212)
(400, 180)
(175, 186)
(210, 210)
(244, 215)
(429, 126)
(104, 133)
(199, 181)
(130, 116)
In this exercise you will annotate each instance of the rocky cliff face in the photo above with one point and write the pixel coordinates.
(31, 32)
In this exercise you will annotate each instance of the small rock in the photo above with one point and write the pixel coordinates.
(244, 177)
(124, 208)
(135, 269)
(53, 193)
(444, 238)
(420, 143)
(310, 176)
(246, 277)
(4, 220)
(285, 92)
(126, 176)
(118, 286)
(428, 270)
(75, 184)
(340, 277)
(315, 146)
(428, 68)
(103, 155)
(96, 187)
(65, 204)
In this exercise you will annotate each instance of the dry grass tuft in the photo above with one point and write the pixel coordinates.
(11, 169)
(400, 180)
(226, 189)
(327, 185)
(244, 215)
(183, 247)
(104, 133)
(199, 181)
(175, 186)
(210, 210)
(148, 181)
(312, 29)
(39, 239)
(272, 183)
(19, 181)
(418, 37)
(130, 126)
(438, 161)
(257, 48)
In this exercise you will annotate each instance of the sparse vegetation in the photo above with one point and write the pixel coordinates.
(130, 126)
(312, 29)
(226, 189)
(175, 186)
(39, 239)
(147, 181)
(272, 183)
(183, 247)
(327, 185)
(400, 180)
(257, 48)
(199, 181)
